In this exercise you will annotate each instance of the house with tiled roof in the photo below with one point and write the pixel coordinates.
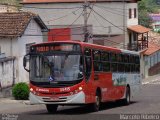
(151, 56)
(109, 20)
(18, 30)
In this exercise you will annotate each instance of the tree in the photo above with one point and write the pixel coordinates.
(145, 7)
(12, 2)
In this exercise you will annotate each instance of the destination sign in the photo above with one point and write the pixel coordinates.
(57, 47)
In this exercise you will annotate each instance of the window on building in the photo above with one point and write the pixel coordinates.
(130, 13)
(135, 12)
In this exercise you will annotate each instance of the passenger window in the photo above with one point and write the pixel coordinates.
(137, 61)
(97, 66)
(121, 67)
(106, 66)
(96, 55)
(105, 56)
(120, 58)
(126, 58)
(114, 67)
(137, 68)
(113, 57)
(127, 67)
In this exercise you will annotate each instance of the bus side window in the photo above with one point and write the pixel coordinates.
(113, 57)
(97, 60)
(105, 57)
(88, 63)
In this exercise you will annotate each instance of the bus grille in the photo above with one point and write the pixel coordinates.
(50, 99)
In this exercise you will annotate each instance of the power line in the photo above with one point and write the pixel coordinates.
(115, 9)
(73, 12)
(108, 21)
(98, 21)
(70, 24)
(122, 15)
(105, 39)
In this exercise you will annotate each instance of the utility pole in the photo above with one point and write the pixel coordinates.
(85, 21)
(124, 28)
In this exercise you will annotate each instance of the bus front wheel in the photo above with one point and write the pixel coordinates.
(96, 106)
(51, 108)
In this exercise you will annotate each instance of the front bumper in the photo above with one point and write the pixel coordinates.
(78, 98)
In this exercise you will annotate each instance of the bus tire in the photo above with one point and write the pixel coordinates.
(127, 99)
(96, 106)
(51, 108)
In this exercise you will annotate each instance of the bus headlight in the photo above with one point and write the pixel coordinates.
(80, 88)
(31, 89)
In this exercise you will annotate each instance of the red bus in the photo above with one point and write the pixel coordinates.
(77, 73)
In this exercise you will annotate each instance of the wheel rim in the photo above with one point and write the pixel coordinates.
(97, 103)
(128, 96)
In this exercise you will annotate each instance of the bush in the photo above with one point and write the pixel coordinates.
(20, 91)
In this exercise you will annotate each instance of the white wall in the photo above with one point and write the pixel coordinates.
(111, 11)
(32, 34)
(6, 73)
(132, 21)
(17, 47)
(150, 61)
(9, 46)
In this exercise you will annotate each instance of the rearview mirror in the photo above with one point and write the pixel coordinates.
(25, 58)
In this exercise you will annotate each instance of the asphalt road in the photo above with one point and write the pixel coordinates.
(147, 102)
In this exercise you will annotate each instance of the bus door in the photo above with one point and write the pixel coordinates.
(89, 89)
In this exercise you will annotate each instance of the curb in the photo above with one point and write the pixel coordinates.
(9, 100)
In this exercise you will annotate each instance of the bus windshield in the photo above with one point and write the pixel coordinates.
(60, 67)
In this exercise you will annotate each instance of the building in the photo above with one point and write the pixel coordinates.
(155, 18)
(151, 64)
(18, 31)
(7, 8)
(109, 19)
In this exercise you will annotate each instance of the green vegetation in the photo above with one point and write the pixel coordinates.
(145, 7)
(20, 91)
(12, 2)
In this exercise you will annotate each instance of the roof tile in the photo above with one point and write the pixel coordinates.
(14, 24)
(139, 29)
(152, 48)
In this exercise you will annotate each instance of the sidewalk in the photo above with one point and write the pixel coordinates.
(151, 79)
(12, 100)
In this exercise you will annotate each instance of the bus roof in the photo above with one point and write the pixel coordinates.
(95, 46)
